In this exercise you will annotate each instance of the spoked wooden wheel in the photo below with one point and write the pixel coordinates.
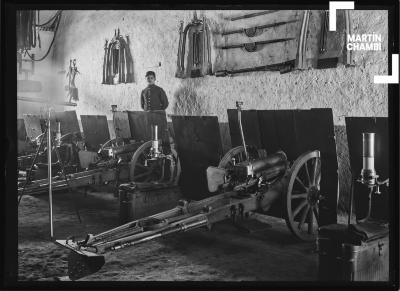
(303, 196)
(238, 154)
(163, 170)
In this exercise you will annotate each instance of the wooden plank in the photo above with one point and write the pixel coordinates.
(111, 129)
(355, 126)
(278, 133)
(299, 131)
(159, 117)
(268, 133)
(21, 131)
(121, 124)
(140, 123)
(315, 131)
(32, 125)
(199, 146)
(250, 126)
(95, 129)
(68, 121)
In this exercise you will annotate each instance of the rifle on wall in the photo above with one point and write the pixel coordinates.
(282, 68)
(250, 15)
(254, 31)
(254, 46)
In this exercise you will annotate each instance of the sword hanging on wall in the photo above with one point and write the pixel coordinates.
(253, 46)
(253, 31)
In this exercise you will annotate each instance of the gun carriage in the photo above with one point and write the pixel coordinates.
(121, 159)
(245, 184)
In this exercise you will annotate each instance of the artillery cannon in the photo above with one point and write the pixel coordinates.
(118, 160)
(246, 183)
(67, 145)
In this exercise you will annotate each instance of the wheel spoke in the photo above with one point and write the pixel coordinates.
(300, 207)
(308, 174)
(301, 195)
(315, 171)
(303, 216)
(315, 210)
(301, 183)
(311, 223)
(318, 176)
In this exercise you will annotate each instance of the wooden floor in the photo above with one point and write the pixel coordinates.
(222, 254)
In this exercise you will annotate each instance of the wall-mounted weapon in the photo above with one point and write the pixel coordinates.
(348, 53)
(198, 61)
(257, 30)
(255, 46)
(324, 31)
(301, 58)
(282, 68)
(250, 15)
(118, 62)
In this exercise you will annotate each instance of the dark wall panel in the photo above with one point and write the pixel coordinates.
(140, 123)
(21, 131)
(68, 121)
(121, 124)
(32, 125)
(251, 129)
(95, 129)
(315, 131)
(199, 146)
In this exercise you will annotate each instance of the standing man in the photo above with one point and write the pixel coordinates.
(153, 97)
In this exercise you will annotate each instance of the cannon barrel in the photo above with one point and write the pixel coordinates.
(271, 162)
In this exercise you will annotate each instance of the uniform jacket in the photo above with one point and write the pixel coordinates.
(153, 98)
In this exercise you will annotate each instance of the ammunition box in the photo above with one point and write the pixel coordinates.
(138, 200)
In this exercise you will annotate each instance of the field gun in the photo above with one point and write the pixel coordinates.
(246, 183)
(118, 160)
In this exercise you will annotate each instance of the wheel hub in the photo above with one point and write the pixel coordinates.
(313, 195)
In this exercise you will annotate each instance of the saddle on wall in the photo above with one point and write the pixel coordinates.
(118, 63)
(198, 62)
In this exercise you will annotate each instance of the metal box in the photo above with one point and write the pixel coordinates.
(343, 260)
(138, 200)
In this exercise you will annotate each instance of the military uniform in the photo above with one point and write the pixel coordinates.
(153, 98)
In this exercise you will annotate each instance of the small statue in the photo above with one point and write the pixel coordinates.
(72, 89)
